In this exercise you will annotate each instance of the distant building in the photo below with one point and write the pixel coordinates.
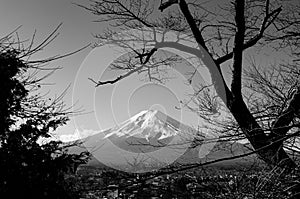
(113, 191)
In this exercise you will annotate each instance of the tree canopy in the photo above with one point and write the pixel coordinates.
(226, 36)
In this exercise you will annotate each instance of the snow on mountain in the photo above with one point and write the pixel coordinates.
(153, 138)
(147, 124)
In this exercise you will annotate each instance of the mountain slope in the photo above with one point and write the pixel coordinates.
(153, 139)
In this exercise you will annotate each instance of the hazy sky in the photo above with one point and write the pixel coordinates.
(43, 16)
(108, 105)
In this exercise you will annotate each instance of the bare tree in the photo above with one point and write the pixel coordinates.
(223, 33)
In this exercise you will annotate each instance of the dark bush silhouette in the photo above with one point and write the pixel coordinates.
(27, 168)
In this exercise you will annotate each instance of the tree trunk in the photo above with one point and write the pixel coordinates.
(269, 149)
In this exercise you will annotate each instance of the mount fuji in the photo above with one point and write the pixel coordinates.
(149, 131)
(154, 138)
(147, 124)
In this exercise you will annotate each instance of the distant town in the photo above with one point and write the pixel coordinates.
(107, 184)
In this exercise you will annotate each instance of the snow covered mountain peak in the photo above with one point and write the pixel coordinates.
(144, 118)
(147, 124)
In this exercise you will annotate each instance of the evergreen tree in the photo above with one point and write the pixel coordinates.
(28, 168)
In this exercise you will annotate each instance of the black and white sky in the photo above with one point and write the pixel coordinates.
(104, 106)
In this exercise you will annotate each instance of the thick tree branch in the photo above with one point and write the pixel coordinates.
(165, 5)
(214, 69)
(195, 30)
(251, 42)
(238, 48)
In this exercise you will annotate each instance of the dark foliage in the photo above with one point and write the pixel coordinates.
(27, 168)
